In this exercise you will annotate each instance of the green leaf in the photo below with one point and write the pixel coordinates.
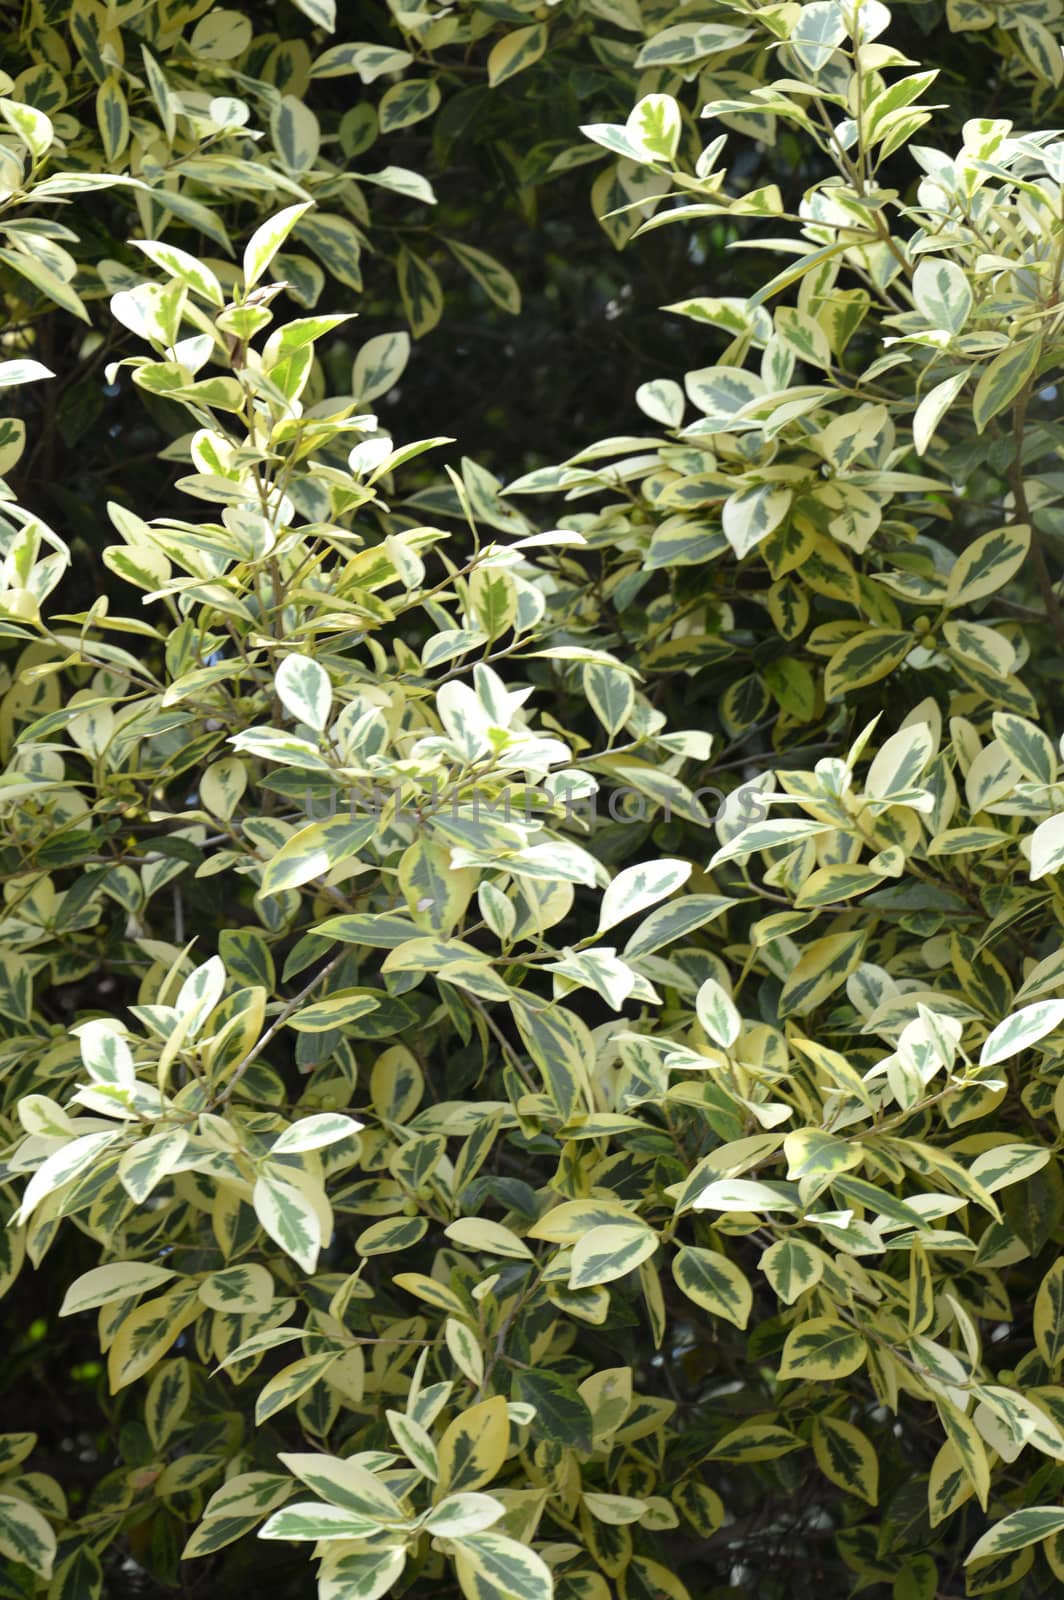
(561, 1413)
(78, 1577)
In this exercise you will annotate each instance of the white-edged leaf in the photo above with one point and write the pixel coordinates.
(304, 690)
(653, 127)
(314, 1132)
(743, 1194)
(933, 407)
(636, 888)
(61, 1168)
(459, 1514)
(141, 1169)
(25, 1537)
(22, 371)
(716, 1012)
(942, 293)
(1018, 1530)
(179, 264)
(489, 1564)
(311, 1520)
(1025, 1027)
(199, 994)
(268, 239)
(105, 1054)
(119, 1280)
(289, 1218)
(1047, 847)
(347, 1484)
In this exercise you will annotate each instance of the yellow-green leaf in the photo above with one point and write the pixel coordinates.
(846, 1456)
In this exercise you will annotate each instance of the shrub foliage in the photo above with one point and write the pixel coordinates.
(531, 1008)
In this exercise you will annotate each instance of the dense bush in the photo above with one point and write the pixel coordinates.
(532, 994)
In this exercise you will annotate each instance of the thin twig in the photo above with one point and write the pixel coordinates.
(278, 1023)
